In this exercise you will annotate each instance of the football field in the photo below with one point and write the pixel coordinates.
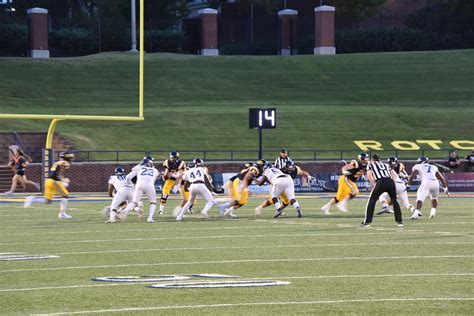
(246, 266)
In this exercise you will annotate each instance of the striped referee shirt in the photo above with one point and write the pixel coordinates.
(280, 162)
(379, 170)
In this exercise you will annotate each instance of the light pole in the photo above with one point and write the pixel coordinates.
(134, 28)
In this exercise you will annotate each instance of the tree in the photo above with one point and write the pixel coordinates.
(267, 5)
(358, 9)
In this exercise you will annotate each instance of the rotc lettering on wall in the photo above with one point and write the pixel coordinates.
(434, 144)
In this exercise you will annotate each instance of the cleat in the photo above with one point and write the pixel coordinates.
(400, 224)
(277, 213)
(8, 192)
(230, 213)
(298, 214)
(432, 214)
(415, 214)
(383, 210)
(149, 220)
(64, 216)
(325, 210)
(258, 211)
(205, 215)
(364, 224)
(342, 207)
(110, 221)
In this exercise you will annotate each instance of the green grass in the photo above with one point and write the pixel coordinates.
(199, 103)
(334, 266)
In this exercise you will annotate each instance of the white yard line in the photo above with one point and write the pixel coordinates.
(273, 261)
(394, 231)
(120, 231)
(270, 246)
(156, 308)
(307, 277)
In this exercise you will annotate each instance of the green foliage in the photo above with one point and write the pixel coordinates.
(74, 41)
(164, 41)
(268, 5)
(14, 38)
(446, 19)
(258, 47)
(358, 9)
(396, 39)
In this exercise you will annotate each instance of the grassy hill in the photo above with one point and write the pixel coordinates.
(194, 102)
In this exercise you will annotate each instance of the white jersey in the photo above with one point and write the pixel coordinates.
(196, 174)
(144, 174)
(273, 173)
(426, 171)
(119, 182)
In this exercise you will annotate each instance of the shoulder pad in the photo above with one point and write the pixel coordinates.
(354, 163)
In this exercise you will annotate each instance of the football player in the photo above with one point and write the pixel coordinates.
(281, 183)
(400, 178)
(238, 186)
(146, 175)
(19, 163)
(293, 171)
(347, 187)
(123, 189)
(429, 175)
(56, 183)
(184, 190)
(197, 180)
(174, 169)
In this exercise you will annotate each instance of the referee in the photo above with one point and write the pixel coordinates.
(281, 161)
(379, 175)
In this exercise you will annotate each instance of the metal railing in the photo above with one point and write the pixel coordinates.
(252, 155)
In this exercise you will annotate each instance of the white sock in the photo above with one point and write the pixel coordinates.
(39, 199)
(129, 207)
(183, 210)
(277, 206)
(225, 205)
(63, 206)
(296, 205)
(151, 210)
(112, 214)
(207, 207)
(162, 208)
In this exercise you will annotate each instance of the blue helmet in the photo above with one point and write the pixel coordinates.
(119, 171)
(174, 155)
(392, 161)
(198, 162)
(363, 156)
(423, 159)
(190, 165)
(147, 161)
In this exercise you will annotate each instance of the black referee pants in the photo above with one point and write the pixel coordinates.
(381, 186)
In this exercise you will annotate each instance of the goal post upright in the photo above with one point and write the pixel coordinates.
(55, 119)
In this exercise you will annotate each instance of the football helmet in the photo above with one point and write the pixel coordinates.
(423, 159)
(119, 171)
(147, 161)
(174, 155)
(392, 161)
(363, 156)
(260, 164)
(190, 165)
(198, 162)
(67, 155)
(248, 164)
(376, 157)
(290, 165)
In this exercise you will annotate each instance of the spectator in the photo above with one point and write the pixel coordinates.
(453, 160)
(470, 161)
